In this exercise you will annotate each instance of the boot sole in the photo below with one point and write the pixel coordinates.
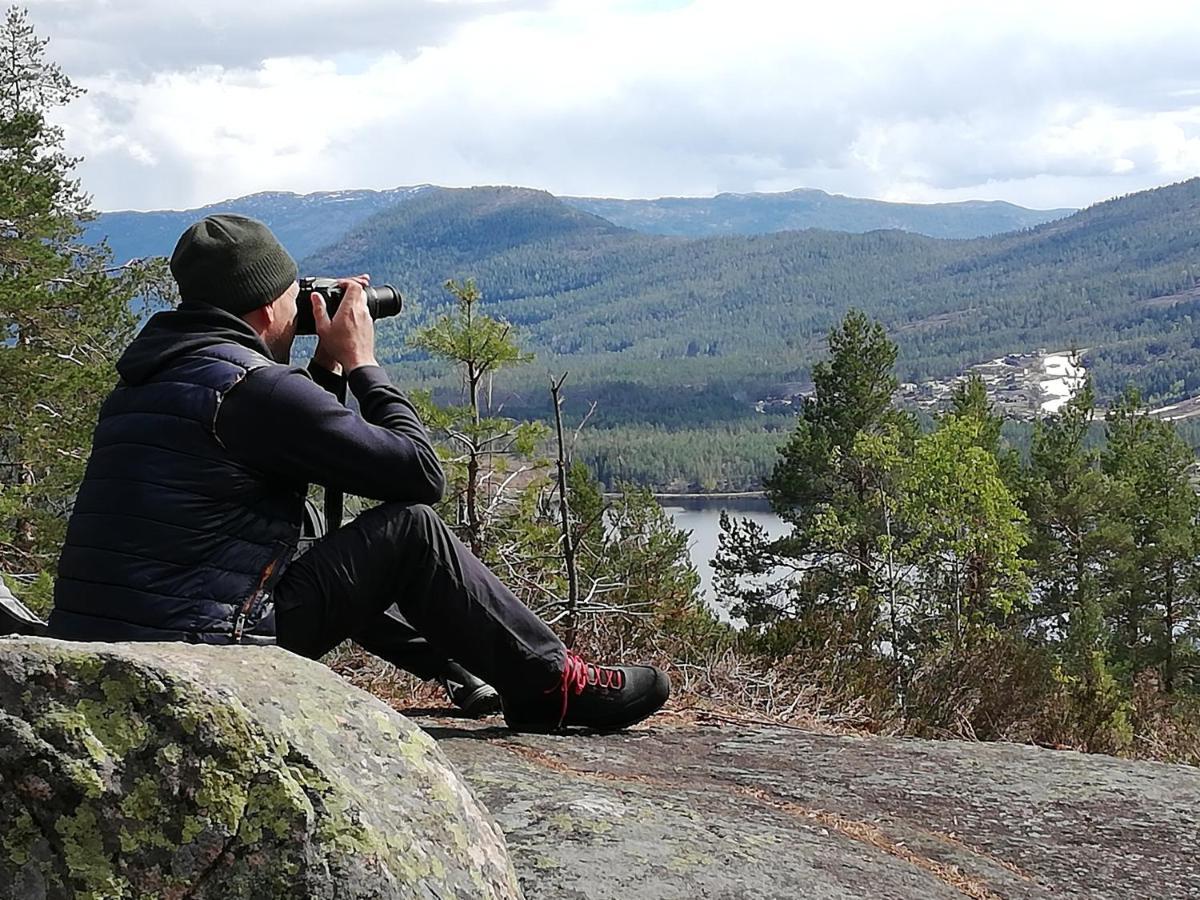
(636, 715)
(483, 701)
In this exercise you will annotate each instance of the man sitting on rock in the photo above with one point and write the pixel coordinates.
(188, 518)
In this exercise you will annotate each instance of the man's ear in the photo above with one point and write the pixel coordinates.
(260, 319)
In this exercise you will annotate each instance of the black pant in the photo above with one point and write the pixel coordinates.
(399, 583)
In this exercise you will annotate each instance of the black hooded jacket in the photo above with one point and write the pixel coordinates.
(192, 502)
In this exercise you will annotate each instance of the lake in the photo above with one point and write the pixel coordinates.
(702, 517)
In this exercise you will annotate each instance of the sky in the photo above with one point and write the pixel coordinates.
(1046, 104)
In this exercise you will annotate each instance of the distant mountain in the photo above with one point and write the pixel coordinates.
(794, 210)
(308, 222)
(670, 329)
(303, 222)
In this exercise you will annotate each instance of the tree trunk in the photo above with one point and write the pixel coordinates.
(474, 526)
(1169, 625)
(571, 622)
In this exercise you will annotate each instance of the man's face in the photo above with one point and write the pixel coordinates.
(282, 330)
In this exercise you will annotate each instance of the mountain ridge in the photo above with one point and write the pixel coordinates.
(800, 208)
(135, 233)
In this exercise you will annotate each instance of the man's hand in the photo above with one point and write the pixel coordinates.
(348, 340)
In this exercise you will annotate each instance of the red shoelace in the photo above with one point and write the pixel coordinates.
(578, 673)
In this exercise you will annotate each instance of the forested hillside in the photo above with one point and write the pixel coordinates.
(738, 317)
(693, 330)
(806, 208)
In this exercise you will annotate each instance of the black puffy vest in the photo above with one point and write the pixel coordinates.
(170, 537)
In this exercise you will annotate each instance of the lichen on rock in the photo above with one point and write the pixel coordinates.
(172, 770)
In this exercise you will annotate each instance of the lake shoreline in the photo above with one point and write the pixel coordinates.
(700, 516)
(733, 501)
(700, 495)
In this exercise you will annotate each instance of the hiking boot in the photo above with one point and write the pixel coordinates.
(601, 698)
(472, 695)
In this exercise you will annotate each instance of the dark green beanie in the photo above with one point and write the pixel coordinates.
(231, 262)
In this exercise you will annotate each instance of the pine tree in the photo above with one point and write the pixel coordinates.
(965, 532)
(478, 346)
(646, 555)
(587, 503)
(1066, 497)
(852, 392)
(829, 491)
(1074, 539)
(1155, 576)
(64, 310)
(970, 402)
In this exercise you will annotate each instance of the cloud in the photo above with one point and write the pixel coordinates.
(1043, 104)
(141, 37)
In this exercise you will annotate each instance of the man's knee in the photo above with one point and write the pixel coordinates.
(420, 512)
(412, 518)
(408, 528)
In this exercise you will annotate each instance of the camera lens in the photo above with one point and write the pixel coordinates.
(384, 301)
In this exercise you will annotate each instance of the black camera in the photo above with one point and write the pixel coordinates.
(382, 301)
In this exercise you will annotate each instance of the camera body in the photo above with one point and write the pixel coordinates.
(382, 301)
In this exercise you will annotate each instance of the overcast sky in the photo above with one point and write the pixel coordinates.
(1049, 103)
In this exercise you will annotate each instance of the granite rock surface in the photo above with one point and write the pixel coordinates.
(180, 771)
(681, 812)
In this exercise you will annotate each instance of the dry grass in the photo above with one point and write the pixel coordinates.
(1165, 728)
(723, 685)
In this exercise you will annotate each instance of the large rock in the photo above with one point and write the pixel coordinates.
(176, 771)
(669, 812)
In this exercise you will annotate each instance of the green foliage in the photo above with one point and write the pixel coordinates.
(852, 393)
(1155, 574)
(974, 594)
(638, 585)
(829, 483)
(682, 461)
(964, 532)
(478, 346)
(970, 402)
(64, 313)
(1093, 709)
(648, 555)
(481, 344)
(586, 501)
(1074, 533)
(37, 593)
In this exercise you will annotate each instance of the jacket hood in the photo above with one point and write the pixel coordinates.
(179, 332)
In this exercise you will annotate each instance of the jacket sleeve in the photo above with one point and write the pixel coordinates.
(279, 421)
(335, 384)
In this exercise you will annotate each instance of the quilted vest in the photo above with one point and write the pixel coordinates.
(171, 538)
